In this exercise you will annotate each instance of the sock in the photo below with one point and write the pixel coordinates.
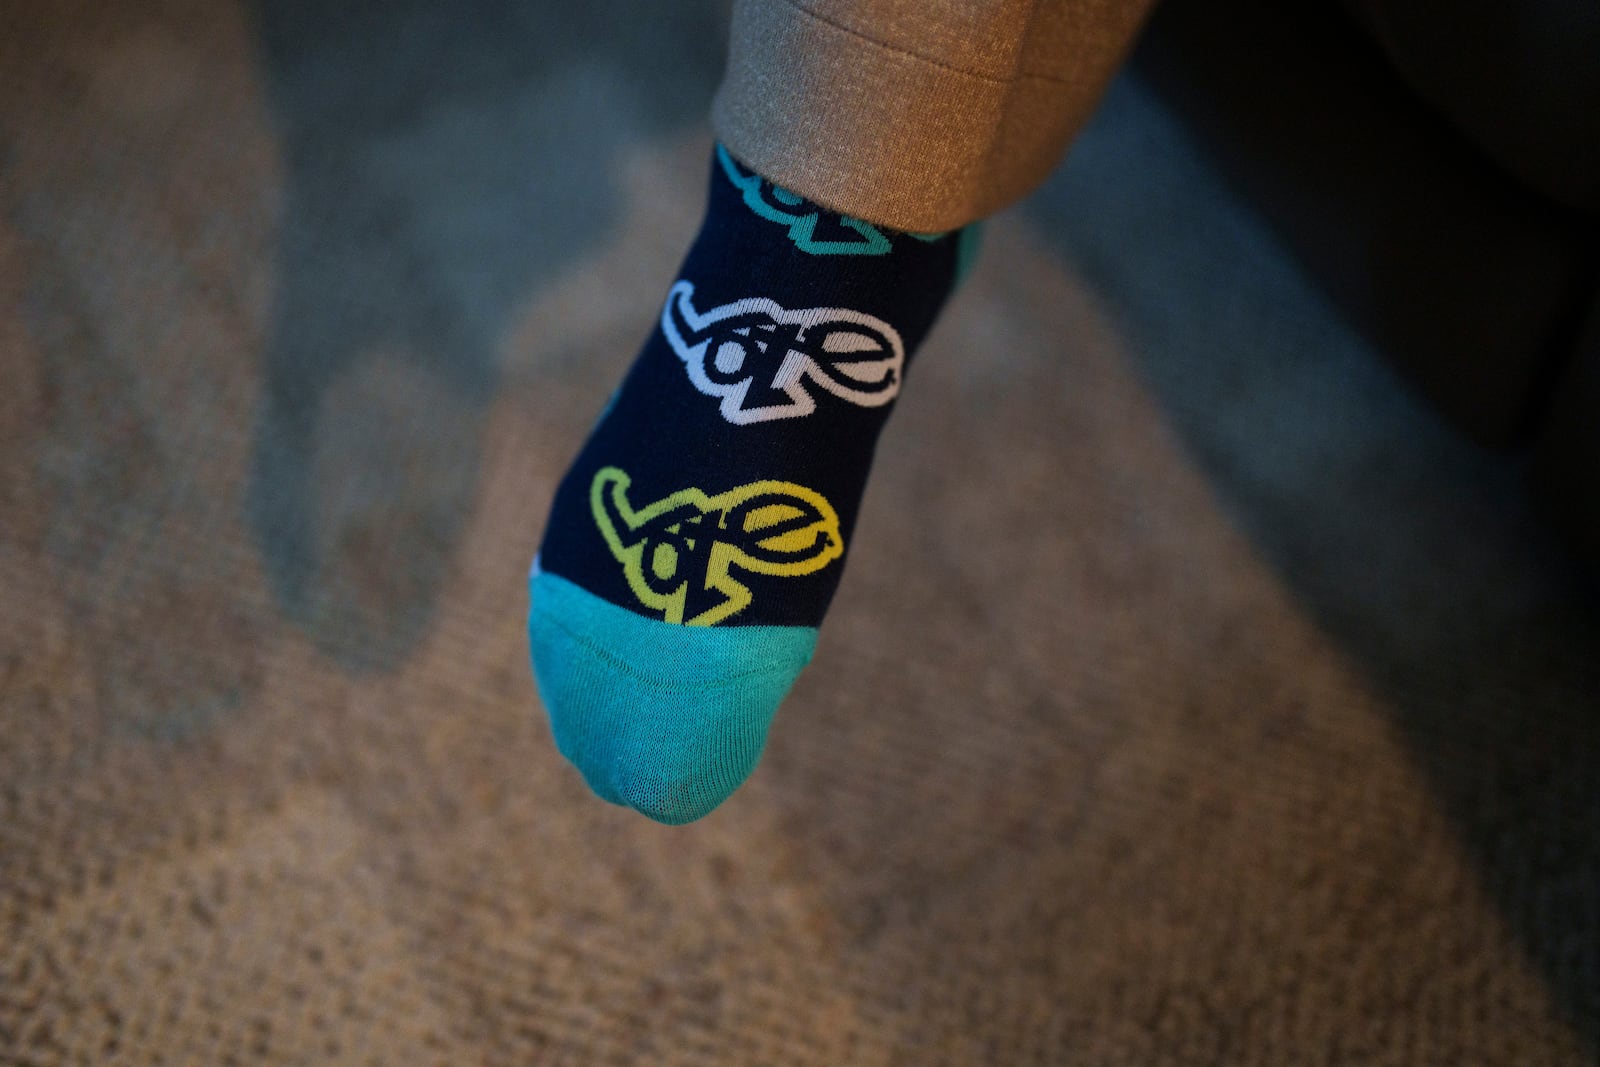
(695, 543)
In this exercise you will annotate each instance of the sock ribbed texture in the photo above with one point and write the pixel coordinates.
(696, 541)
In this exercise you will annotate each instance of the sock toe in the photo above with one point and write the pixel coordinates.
(666, 719)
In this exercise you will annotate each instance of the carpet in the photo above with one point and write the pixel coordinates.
(1194, 695)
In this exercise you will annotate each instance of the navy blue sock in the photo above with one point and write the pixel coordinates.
(695, 543)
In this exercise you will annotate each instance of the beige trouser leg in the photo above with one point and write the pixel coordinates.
(920, 115)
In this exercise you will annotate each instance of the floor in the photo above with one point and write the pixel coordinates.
(1195, 694)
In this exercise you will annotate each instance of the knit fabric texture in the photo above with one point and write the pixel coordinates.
(720, 489)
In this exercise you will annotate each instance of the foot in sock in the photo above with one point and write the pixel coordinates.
(696, 541)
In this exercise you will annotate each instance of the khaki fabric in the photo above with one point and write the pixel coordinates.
(916, 114)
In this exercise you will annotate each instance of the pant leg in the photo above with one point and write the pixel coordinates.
(920, 115)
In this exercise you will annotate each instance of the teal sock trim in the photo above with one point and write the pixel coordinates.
(666, 719)
(971, 239)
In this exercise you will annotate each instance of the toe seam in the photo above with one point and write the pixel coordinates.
(666, 685)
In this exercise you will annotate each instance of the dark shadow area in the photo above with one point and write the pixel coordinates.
(1415, 549)
(1466, 279)
(442, 162)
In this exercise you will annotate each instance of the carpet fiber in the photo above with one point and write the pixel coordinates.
(1193, 696)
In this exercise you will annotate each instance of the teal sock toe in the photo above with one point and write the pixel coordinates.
(666, 719)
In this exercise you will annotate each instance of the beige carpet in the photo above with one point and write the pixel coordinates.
(1193, 697)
